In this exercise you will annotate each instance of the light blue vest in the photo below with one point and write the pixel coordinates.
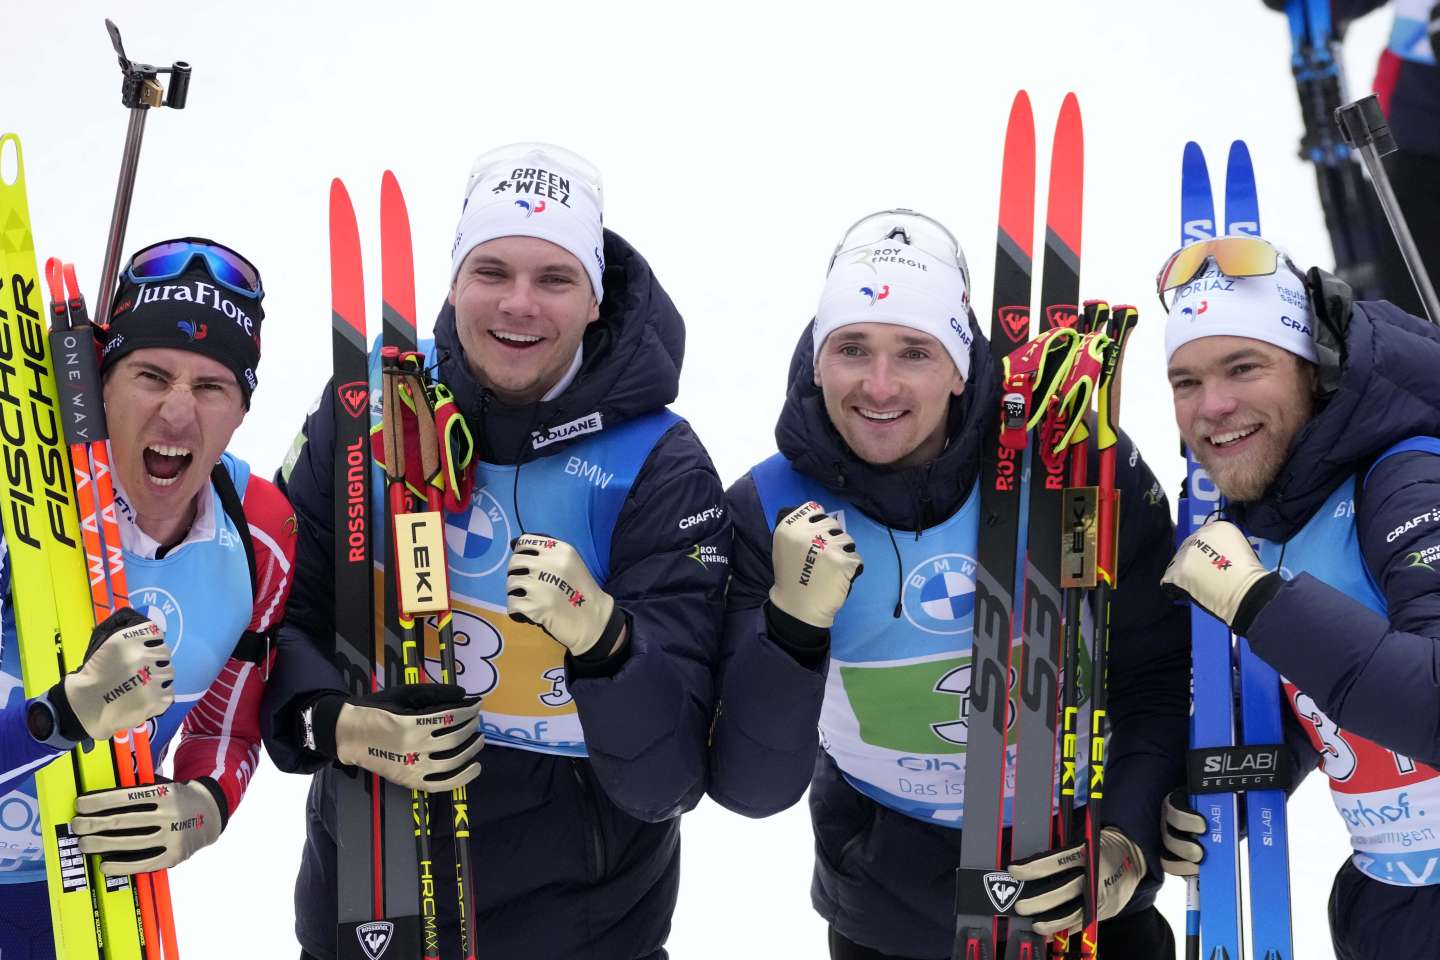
(575, 496)
(897, 690)
(200, 594)
(1390, 803)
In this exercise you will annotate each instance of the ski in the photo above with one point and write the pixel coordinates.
(1352, 217)
(1212, 718)
(982, 887)
(91, 915)
(367, 924)
(1038, 662)
(1260, 695)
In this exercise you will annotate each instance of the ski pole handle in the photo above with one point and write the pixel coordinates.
(1367, 132)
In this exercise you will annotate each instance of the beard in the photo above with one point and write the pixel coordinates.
(1245, 478)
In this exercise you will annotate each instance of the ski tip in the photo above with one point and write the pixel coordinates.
(1070, 106)
(1239, 151)
(1020, 106)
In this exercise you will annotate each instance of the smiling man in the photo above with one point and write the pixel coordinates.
(212, 541)
(891, 390)
(587, 573)
(1317, 418)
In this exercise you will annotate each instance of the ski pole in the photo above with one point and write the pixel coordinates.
(418, 542)
(88, 437)
(1122, 321)
(1368, 133)
(430, 467)
(139, 91)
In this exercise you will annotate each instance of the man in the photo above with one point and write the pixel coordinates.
(587, 576)
(1316, 418)
(211, 546)
(888, 402)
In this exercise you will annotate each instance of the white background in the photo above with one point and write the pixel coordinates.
(737, 141)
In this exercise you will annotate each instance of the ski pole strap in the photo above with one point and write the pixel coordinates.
(1238, 769)
(1032, 375)
(457, 448)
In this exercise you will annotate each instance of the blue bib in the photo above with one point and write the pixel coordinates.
(1390, 803)
(200, 595)
(897, 690)
(575, 496)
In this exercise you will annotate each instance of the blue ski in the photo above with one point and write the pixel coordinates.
(1212, 720)
(1260, 703)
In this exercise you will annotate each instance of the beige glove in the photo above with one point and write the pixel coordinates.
(1216, 568)
(1181, 828)
(1054, 890)
(424, 736)
(815, 562)
(549, 586)
(154, 827)
(125, 679)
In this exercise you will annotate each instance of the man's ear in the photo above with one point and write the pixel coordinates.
(594, 310)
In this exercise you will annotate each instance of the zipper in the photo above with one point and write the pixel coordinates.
(597, 835)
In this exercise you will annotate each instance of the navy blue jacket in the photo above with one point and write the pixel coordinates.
(578, 857)
(881, 878)
(1376, 677)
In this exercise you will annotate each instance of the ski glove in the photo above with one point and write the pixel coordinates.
(1181, 827)
(125, 679)
(1217, 569)
(423, 736)
(1053, 895)
(815, 563)
(154, 827)
(550, 587)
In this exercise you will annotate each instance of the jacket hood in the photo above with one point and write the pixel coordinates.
(633, 354)
(1381, 363)
(909, 498)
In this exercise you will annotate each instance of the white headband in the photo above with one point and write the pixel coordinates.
(890, 281)
(534, 195)
(1273, 309)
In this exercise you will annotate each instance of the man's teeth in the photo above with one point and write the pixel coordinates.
(1220, 439)
(167, 450)
(515, 337)
(879, 414)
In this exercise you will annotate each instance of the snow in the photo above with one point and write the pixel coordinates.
(737, 142)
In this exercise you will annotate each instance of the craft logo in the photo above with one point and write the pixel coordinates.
(876, 295)
(531, 208)
(1293, 324)
(375, 937)
(195, 331)
(1061, 315)
(959, 328)
(1015, 321)
(1003, 890)
(354, 396)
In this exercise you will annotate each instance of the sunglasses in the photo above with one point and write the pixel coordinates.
(916, 229)
(168, 260)
(1234, 256)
